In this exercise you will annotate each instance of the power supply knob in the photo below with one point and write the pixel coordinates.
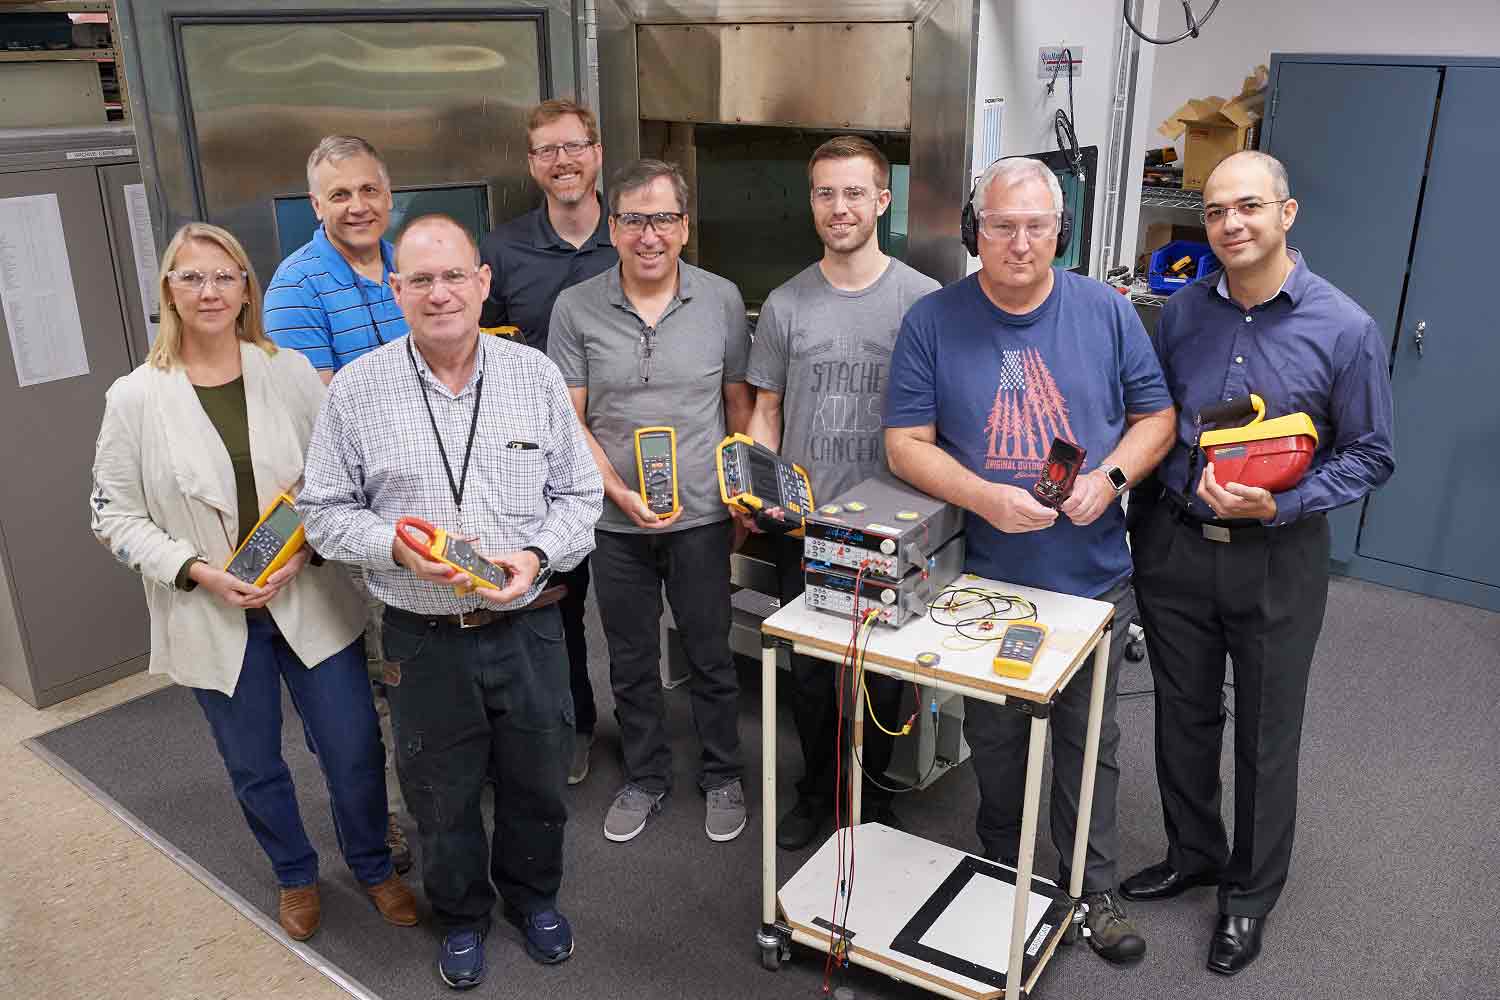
(888, 546)
(887, 596)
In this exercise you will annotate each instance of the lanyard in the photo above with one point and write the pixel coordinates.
(374, 323)
(457, 489)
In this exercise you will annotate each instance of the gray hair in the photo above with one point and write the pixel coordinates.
(1016, 170)
(1281, 186)
(334, 148)
(634, 176)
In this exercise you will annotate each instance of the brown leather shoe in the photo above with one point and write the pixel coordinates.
(300, 912)
(394, 901)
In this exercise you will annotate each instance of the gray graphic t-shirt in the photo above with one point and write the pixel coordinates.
(826, 351)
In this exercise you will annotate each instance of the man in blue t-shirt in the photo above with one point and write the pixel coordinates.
(985, 374)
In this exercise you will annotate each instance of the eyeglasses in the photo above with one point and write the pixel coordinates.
(548, 153)
(1004, 227)
(422, 283)
(635, 223)
(647, 348)
(853, 196)
(1245, 210)
(195, 280)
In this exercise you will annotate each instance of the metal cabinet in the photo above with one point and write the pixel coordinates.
(1387, 158)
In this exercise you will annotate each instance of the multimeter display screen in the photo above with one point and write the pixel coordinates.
(655, 446)
(265, 543)
(763, 478)
(462, 554)
(283, 521)
(1063, 452)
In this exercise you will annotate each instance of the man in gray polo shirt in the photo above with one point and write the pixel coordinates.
(660, 342)
(819, 363)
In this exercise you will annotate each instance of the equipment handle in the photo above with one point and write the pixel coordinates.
(407, 525)
(1234, 409)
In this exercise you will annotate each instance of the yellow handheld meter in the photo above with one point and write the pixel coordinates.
(755, 479)
(656, 469)
(1020, 645)
(438, 545)
(275, 538)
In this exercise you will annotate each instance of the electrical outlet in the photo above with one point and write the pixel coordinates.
(1050, 60)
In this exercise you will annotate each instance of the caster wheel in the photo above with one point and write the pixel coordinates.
(770, 959)
(1135, 650)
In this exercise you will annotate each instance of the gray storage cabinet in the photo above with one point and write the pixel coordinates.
(1390, 160)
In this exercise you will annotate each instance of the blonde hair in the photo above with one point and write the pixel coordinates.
(166, 353)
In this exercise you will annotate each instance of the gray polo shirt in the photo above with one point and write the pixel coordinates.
(700, 343)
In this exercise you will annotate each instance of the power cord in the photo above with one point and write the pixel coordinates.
(1062, 122)
(1194, 23)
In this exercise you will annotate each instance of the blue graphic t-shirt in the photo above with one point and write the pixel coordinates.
(999, 387)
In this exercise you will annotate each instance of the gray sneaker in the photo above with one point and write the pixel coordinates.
(1109, 930)
(725, 815)
(579, 768)
(628, 814)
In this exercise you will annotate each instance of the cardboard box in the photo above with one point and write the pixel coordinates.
(1215, 128)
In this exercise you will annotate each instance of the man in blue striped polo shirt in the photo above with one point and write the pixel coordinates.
(331, 299)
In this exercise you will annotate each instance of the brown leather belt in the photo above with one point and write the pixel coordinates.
(482, 617)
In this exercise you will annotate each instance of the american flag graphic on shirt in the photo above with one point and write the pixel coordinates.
(1028, 412)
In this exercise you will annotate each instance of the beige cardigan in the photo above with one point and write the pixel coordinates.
(164, 491)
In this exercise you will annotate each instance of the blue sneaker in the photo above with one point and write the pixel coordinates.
(549, 937)
(461, 962)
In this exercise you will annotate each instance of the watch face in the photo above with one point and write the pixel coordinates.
(1117, 479)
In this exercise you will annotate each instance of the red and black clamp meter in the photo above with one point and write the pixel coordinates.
(1055, 484)
(439, 546)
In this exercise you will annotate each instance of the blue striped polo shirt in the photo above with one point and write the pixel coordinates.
(319, 305)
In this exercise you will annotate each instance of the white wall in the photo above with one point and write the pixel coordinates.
(1010, 34)
(1244, 33)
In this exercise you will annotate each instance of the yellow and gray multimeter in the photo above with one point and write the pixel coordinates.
(275, 538)
(656, 469)
(439, 546)
(755, 479)
(1020, 645)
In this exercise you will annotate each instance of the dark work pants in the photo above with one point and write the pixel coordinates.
(998, 738)
(489, 701)
(586, 716)
(629, 572)
(1260, 601)
(815, 708)
(339, 724)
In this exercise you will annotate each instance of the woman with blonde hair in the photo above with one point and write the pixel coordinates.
(195, 444)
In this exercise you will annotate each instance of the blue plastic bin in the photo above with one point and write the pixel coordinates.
(1163, 283)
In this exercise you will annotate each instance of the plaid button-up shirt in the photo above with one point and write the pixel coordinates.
(374, 459)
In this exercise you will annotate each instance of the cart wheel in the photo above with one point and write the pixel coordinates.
(1135, 650)
(770, 959)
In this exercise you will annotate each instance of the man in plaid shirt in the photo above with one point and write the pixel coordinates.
(477, 436)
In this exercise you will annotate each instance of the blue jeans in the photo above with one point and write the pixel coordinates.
(338, 719)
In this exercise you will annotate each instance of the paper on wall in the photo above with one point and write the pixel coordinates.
(143, 241)
(36, 292)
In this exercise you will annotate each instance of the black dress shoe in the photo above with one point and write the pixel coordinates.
(800, 825)
(1235, 944)
(1162, 881)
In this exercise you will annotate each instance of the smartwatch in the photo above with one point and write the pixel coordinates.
(1117, 478)
(544, 565)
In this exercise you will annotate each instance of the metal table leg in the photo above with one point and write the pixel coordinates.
(1027, 855)
(1090, 763)
(768, 787)
(856, 751)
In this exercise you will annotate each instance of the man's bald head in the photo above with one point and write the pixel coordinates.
(439, 227)
(1280, 186)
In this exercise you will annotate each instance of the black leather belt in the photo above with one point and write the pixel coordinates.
(479, 617)
(1219, 531)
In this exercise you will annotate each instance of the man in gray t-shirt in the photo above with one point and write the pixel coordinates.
(656, 342)
(819, 361)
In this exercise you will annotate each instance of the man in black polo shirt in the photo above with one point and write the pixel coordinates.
(532, 258)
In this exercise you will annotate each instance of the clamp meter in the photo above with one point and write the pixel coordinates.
(1271, 454)
(656, 467)
(275, 538)
(1055, 484)
(755, 479)
(439, 546)
(1020, 644)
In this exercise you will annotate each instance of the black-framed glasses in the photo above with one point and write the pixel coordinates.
(194, 281)
(1245, 210)
(635, 223)
(647, 349)
(548, 153)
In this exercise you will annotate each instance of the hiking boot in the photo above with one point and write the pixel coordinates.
(1109, 931)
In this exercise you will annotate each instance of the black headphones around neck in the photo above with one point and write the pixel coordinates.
(968, 225)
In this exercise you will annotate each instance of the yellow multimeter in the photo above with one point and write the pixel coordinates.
(755, 479)
(436, 544)
(656, 469)
(275, 538)
(510, 332)
(1020, 645)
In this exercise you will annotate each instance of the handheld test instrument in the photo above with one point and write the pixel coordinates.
(275, 538)
(755, 479)
(438, 545)
(1271, 454)
(1020, 645)
(656, 469)
(1055, 484)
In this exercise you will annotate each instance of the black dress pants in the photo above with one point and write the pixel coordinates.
(1258, 599)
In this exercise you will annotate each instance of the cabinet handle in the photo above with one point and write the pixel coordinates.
(1421, 332)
